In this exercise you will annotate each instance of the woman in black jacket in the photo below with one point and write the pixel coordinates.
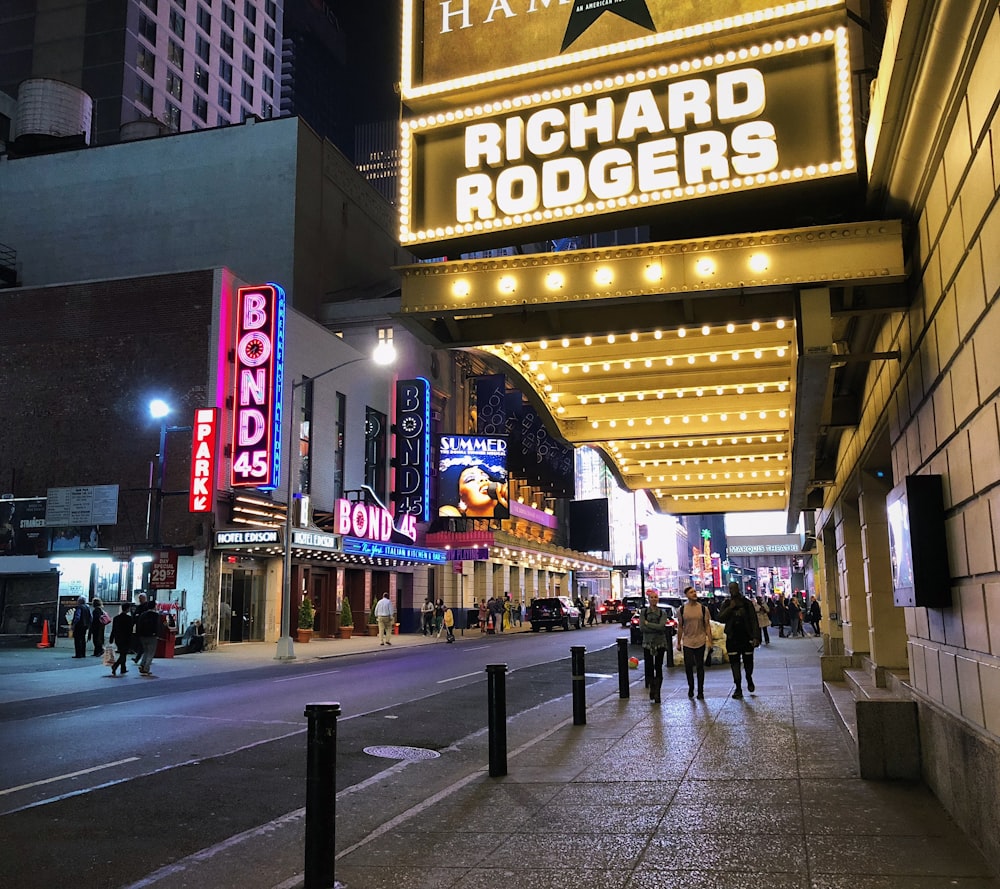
(97, 621)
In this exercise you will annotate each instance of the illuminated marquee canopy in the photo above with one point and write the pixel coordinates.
(763, 115)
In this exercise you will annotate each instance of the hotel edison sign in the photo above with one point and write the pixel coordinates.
(757, 116)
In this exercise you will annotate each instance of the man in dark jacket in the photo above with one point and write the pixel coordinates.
(81, 625)
(147, 628)
(742, 636)
(121, 636)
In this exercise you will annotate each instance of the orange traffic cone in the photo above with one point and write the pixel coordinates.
(45, 636)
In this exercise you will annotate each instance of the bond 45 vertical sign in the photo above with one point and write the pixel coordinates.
(413, 448)
(260, 348)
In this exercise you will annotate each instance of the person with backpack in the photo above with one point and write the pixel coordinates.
(694, 633)
(81, 621)
(742, 636)
(653, 623)
(147, 628)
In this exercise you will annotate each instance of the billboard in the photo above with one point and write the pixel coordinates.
(472, 476)
(257, 384)
(760, 116)
(22, 527)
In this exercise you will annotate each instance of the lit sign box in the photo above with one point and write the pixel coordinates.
(762, 116)
(377, 550)
(260, 350)
(473, 45)
(472, 476)
(413, 449)
(204, 452)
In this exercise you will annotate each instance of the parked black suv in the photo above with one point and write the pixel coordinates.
(555, 612)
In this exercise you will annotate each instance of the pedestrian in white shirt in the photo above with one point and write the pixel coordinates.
(384, 614)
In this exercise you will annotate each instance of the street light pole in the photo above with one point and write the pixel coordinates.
(286, 648)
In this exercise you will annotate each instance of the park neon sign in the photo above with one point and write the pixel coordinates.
(259, 358)
(204, 453)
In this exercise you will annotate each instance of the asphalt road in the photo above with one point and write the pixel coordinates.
(105, 788)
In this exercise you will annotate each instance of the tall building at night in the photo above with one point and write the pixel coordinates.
(186, 64)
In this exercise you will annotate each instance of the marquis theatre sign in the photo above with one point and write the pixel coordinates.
(757, 116)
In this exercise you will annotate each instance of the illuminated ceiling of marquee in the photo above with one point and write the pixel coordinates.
(705, 370)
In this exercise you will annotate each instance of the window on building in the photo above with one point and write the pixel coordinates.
(268, 59)
(226, 100)
(266, 110)
(175, 55)
(247, 92)
(250, 12)
(147, 28)
(248, 64)
(204, 19)
(226, 43)
(221, 120)
(304, 421)
(144, 92)
(249, 37)
(229, 16)
(145, 60)
(175, 85)
(173, 115)
(376, 438)
(269, 33)
(181, 3)
(271, 8)
(199, 107)
(226, 71)
(245, 113)
(201, 78)
(202, 48)
(151, 4)
(177, 23)
(267, 83)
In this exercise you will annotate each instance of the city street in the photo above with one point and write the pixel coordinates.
(107, 784)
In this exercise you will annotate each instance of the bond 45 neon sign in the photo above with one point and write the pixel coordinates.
(260, 351)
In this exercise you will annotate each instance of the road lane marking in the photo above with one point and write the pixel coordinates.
(306, 676)
(463, 676)
(68, 775)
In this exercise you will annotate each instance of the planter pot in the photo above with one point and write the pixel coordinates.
(345, 632)
(372, 629)
(303, 635)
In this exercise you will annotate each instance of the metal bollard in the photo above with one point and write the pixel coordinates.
(623, 668)
(496, 696)
(579, 685)
(321, 795)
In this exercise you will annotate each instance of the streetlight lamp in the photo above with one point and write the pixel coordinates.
(160, 410)
(384, 354)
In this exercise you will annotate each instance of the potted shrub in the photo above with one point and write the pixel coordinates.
(372, 621)
(307, 615)
(346, 619)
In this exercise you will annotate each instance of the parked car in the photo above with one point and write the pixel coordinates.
(558, 611)
(609, 611)
(635, 633)
(630, 605)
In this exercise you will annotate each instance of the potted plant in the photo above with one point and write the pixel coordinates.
(307, 615)
(346, 619)
(372, 622)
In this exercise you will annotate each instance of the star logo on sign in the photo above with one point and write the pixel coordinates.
(586, 12)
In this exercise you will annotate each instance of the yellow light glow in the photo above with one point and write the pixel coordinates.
(654, 273)
(604, 276)
(758, 263)
(460, 288)
(507, 284)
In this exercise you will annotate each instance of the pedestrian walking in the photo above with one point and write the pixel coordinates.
(449, 625)
(781, 616)
(438, 616)
(147, 628)
(122, 631)
(80, 622)
(794, 617)
(427, 617)
(99, 619)
(694, 634)
(742, 637)
(653, 624)
(383, 616)
(763, 619)
(484, 615)
(815, 614)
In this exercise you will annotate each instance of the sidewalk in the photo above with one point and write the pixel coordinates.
(716, 794)
(722, 793)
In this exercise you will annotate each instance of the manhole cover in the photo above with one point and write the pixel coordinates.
(410, 753)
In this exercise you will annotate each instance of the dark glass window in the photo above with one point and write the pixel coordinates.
(177, 23)
(173, 116)
(269, 33)
(226, 42)
(376, 437)
(247, 92)
(226, 71)
(202, 48)
(249, 38)
(248, 64)
(271, 8)
(201, 78)
(199, 106)
(229, 16)
(268, 59)
(145, 60)
(268, 85)
(226, 100)
(150, 4)
(175, 85)
(147, 28)
(175, 54)
(250, 12)
(144, 93)
(338, 460)
(204, 19)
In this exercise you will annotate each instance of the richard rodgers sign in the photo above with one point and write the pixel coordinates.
(765, 115)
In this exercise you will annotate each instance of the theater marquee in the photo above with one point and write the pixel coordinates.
(458, 46)
(759, 116)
